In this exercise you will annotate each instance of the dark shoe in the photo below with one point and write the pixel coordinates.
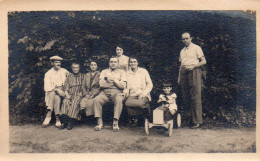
(130, 122)
(82, 112)
(70, 126)
(133, 122)
(62, 127)
(195, 126)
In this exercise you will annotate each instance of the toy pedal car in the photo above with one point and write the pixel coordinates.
(158, 120)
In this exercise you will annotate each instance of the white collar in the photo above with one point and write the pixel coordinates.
(132, 72)
(188, 47)
(113, 70)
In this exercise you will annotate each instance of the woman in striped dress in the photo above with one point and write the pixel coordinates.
(73, 89)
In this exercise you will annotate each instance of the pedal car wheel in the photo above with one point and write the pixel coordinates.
(146, 126)
(179, 120)
(170, 128)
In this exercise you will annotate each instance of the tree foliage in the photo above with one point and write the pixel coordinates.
(227, 39)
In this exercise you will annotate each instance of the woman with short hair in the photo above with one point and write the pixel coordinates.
(123, 60)
(91, 89)
(73, 90)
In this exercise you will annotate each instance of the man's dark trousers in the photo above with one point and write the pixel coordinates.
(191, 83)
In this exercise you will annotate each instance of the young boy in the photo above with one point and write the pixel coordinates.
(168, 102)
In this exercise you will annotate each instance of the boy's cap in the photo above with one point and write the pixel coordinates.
(56, 58)
(167, 84)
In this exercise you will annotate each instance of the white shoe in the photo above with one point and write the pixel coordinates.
(115, 125)
(58, 124)
(46, 121)
(99, 127)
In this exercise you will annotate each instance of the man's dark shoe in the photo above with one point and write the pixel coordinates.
(62, 127)
(82, 112)
(130, 122)
(70, 126)
(133, 122)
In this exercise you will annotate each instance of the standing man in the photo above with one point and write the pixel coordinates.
(190, 78)
(53, 85)
(112, 83)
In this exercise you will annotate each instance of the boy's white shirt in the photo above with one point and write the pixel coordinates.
(171, 100)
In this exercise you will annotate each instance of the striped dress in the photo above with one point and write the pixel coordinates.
(74, 86)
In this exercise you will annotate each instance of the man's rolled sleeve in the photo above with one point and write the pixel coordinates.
(199, 52)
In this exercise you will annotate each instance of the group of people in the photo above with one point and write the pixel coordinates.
(125, 84)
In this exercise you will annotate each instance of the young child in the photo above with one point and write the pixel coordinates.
(168, 102)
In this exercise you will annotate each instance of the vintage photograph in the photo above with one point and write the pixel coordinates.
(132, 81)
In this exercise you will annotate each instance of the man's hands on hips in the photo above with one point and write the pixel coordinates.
(189, 67)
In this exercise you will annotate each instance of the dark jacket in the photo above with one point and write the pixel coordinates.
(91, 85)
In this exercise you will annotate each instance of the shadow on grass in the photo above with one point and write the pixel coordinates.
(250, 149)
(29, 147)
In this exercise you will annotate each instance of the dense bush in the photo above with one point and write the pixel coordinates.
(227, 39)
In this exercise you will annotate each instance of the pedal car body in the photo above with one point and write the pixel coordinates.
(159, 120)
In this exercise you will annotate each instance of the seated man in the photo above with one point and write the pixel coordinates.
(139, 86)
(112, 83)
(53, 85)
